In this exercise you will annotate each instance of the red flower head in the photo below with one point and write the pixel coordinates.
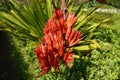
(59, 36)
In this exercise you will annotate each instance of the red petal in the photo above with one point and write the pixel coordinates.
(71, 20)
(68, 33)
(68, 57)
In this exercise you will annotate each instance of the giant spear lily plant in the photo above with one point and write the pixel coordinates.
(57, 28)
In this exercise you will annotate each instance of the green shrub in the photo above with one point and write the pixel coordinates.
(100, 64)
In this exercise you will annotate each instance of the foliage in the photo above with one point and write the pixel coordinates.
(26, 22)
(115, 3)
(103, 64)
(23, 55)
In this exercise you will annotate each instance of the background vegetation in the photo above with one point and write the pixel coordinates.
(103, 63)
(115, 3)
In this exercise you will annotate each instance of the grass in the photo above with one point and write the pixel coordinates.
(103, 64)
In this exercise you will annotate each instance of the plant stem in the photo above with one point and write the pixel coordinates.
(64, 8)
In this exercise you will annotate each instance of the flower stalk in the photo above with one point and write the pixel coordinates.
(64, 8)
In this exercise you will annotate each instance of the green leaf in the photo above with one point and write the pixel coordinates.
(87, 46)
(1, 23)
(27, 18)
(93, 27)
(49, 7)
(84, 18)
(79, 10)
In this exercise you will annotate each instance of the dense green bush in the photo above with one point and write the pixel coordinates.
(104, 64)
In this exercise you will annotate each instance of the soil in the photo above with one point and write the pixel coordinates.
(8, 69)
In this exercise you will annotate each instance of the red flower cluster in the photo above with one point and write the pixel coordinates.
(58, 36)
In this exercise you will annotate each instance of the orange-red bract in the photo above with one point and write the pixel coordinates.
(58, 36)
